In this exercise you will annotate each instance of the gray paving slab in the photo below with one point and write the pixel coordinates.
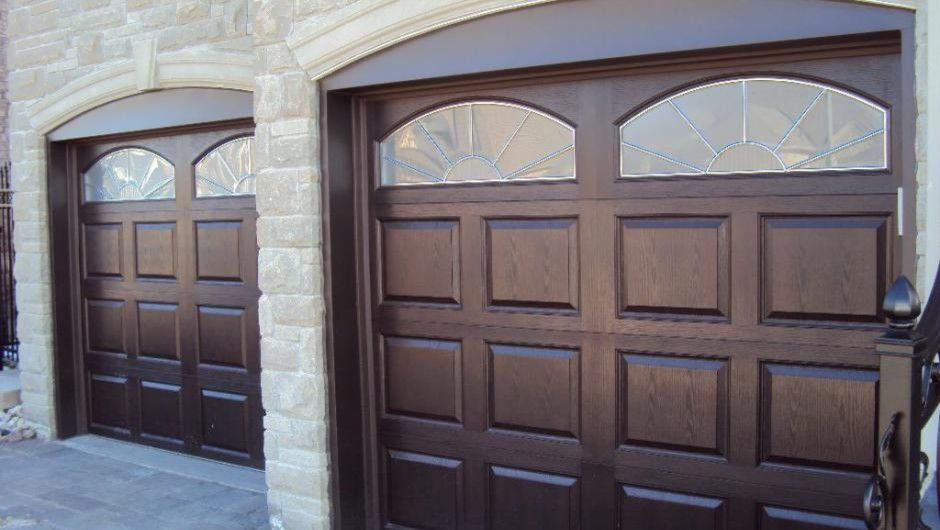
(60, 487)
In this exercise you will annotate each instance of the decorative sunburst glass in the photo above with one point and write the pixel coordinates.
(130, 174)
(227, 170)
(755, 125)
(478, 141)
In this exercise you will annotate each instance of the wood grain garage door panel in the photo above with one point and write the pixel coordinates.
(423, 491)
(647, 509)
(819, 416)
(103, 250)
(525, 499)
(161, 412)
(421, 261)
(155, 247)
(675, 402)
(169, 311)
(158, 330)
(675, 265)
(535, 389)
(423, 378)
(532, 264)
(825, 268)
(773, 518)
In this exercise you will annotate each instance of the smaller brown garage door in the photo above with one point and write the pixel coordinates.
(168, 292)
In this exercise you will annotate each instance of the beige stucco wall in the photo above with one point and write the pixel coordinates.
(68, 56)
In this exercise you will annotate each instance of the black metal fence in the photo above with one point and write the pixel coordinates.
(9, 343)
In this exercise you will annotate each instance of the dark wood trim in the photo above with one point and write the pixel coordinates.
(341, 334)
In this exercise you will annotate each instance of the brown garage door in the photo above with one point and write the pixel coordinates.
(655, 308)
(168, 301)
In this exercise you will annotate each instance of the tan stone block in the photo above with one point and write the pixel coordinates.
(297, 310)
(282, 192)
(279, 355)
(290, 231)
(279, 271)
(133, 5)
(293, 151)
(188, 11)
(89, 48)
(38, 56)
(94, 4)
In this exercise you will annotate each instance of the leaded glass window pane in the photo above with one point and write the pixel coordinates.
(130, 174)
(227, 170)
(478, 141)
(755, 125)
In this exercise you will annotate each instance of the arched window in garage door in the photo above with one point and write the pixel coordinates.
(227, 170)
(129, 174)
(478, 141)
(755, 125)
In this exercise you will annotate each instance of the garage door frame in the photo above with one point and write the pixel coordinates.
(71, 394)
(346, 193)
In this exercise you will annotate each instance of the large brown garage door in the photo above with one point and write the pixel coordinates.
(654, 311)
(168, 291)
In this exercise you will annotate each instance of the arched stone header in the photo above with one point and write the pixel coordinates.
(190, 69)
(323, 45)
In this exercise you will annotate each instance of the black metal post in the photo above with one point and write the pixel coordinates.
(902, 360)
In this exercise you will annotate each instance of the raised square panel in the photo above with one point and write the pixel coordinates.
(221, 336)
(156, 250)
(673, 402)
(158, 330)
(422, 491)
(772, 518)
(532, 264)
(674, 265)
(218, 251)
(526, 499)
(103, 246)
(819, 416)
(225, 421)
(824, 268)
(161, 411)
(645, 509)
(107, 402)
(421, 261)
(535, 389)
(104, 325)
(422, 378)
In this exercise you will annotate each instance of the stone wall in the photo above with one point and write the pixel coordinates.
(290, 276)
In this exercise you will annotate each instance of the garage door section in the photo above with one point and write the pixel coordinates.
(168, 301)
(635, 301)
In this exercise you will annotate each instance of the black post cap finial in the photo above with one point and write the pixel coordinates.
(901, 305)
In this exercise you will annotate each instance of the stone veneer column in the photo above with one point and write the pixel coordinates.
(290, 271)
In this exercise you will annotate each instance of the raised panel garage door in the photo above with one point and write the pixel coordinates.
(635, 299)
(168, 292)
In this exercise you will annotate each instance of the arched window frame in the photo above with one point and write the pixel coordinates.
(434, 180)
(824, 88)
(217, 150)
(169, 183)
